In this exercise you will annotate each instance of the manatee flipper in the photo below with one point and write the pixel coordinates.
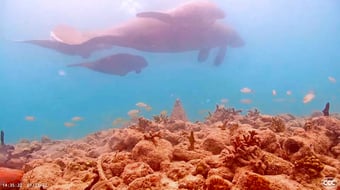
(156, 15)
(220, 55)
(68, 35)
(203, 54)
(82, 51)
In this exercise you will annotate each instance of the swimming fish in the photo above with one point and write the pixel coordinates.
(332, 79)
(141, 105)
(30, 118)
(144, 106)
(246, 90)
(224, 101)
(308, 97)
(61, 73)
(117, 64)
(133, 113)
(246, 101)
(119, 121)
(289, 92)
(274, 92)
(77, 118)
(69, 124)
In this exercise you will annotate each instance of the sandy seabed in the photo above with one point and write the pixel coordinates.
(226, 151)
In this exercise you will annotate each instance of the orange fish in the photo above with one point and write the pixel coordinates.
(8, 176)
(274, 92)
(246, 101)
(289, 92)
(308, 97)
(69, 124)
(332, 79)
(246, 90)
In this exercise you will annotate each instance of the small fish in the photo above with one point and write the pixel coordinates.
(119, 121)
(148, 108)
(289, 92)
(332, 79)
(308, 97)
(61, 73)
(224, 101)
(141, 104)
(30, 118)
(274, 92)
(77, 118)
(246, 101)
(133, 113)
(69, 124)
(246, 90)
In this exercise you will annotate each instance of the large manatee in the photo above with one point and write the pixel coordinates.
(192, 13)
(147, 34)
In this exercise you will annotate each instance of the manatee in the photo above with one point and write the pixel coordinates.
(148, 34)
(193, 13)
(117, 64)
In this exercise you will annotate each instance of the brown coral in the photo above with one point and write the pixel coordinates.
(222, 114)
(309, 165)
(178, 112)
(277, 124)
(192, 141)
(135, 170)
(216, 182)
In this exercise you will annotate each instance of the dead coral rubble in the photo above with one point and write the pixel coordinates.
(227, 151)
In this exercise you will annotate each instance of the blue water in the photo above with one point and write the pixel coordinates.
(290, 45)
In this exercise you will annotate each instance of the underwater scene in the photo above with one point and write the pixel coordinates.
(171, 94)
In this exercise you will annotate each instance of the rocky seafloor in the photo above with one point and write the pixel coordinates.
(226, 151)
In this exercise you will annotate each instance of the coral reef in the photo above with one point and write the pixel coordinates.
(277, 125)
(191, 139)
(226, 151)
(222, 114)
(178, 112)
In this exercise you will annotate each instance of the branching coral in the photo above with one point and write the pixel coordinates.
(143, 123)
(310, 165)
(101, 173)
(221, 114)
(151, 136)
(224, 125)
(245, 150)
(253, 113)
(308, 125)
(192, 141)
(161, 118)
(277, 124)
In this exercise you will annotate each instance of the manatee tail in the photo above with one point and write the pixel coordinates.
(79, 65)
(81, 50)
(68, 35)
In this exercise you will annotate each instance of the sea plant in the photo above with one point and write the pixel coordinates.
(192, 141)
